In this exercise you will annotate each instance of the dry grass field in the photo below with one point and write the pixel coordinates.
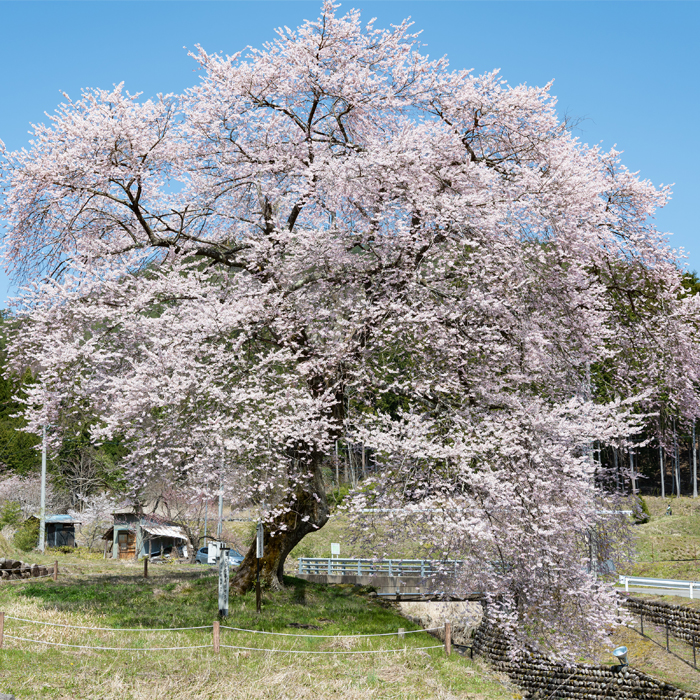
(93, 593)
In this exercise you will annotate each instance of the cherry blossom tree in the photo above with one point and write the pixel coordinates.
(26, 492)
(94, 517)
(236, 277)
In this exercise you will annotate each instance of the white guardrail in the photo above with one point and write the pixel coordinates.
(335, 566)
(690, 586)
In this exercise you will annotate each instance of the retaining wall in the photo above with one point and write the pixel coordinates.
(683, 623)
(543, 678)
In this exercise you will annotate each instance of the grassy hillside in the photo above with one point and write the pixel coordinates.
(115, 594)
(669, 545)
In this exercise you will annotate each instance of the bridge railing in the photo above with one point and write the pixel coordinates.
(334, 566)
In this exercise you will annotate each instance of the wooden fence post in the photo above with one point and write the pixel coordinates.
(641, 622)
(695, 661)
(448, 638)
(2, 628)
(216, 636)
(55, 571)
(145, 567)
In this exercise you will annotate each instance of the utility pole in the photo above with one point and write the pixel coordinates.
(221, 498)
(346, 455)
(337, 459)
(695, 465)
(206, 515)
(221, 513)
(259, 553)
(675, 457)
(42, 514)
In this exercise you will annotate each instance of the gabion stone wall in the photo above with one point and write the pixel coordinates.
(544, 679)
(683, 623)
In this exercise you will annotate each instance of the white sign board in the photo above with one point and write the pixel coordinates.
(335, 549)
(223, 582)
(213, 549)
(259, 541)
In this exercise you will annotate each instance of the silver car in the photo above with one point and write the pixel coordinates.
(202, 556)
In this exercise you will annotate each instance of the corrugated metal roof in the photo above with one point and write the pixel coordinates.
(61, 518)
(174, 531)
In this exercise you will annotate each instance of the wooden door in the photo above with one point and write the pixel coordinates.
(127, 544)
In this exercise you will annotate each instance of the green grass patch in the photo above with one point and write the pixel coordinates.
(669, 545)
(115, 594)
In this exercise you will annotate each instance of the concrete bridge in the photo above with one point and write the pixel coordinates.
(406, 578)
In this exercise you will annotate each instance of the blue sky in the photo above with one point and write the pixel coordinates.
(629, 70)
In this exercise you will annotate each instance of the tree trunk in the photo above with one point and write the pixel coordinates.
(309, 501)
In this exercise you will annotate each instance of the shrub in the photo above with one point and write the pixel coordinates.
(27, 535)
(640, 511)
(79, 552)
(10, 514)
(63, 549)
(5, 548)
(336, 496)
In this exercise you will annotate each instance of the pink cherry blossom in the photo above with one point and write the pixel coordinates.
(336, 238)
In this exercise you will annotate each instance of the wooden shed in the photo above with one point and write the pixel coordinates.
(135, 535)
(60, 530)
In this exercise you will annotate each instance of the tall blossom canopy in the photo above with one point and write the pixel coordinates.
(335, 236)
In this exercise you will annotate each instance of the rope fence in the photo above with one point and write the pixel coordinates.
(216, 644)
(53, 574)
(109, 629)
(29, 579)
(329, 636)
(303, 651)
(85, 646)
(222, 646)
(223, 627)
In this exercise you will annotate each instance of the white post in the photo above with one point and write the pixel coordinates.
(206, 516)
(691, 590)
(678, 469)
(353, 475)
(42, 514)
(632, 477)
(627, 585)
(661, 467)
(337, 467)
(221, 513)
(221, 498)
(695, 467)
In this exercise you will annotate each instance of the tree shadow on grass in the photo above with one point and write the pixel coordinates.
(190, 599)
